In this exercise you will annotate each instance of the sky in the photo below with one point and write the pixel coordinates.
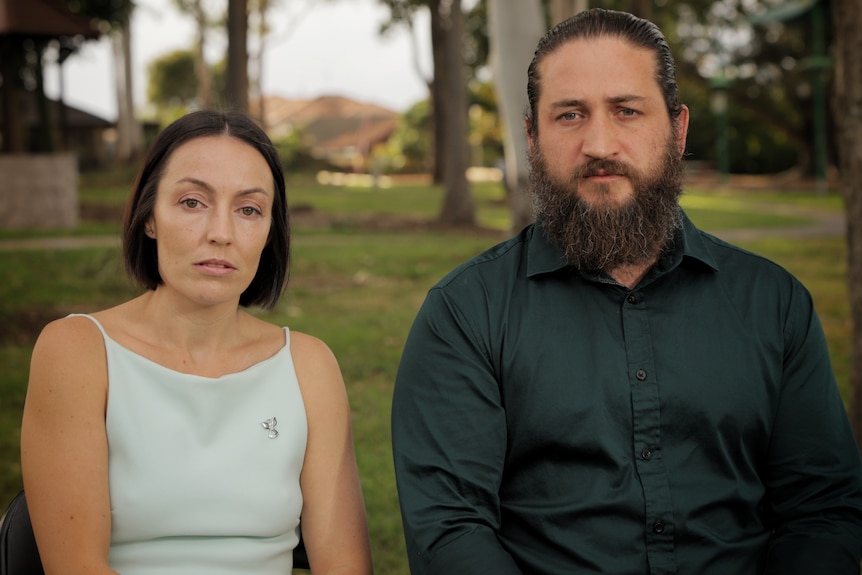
(317, 48)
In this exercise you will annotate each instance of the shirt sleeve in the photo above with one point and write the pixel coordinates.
(814, 471)
(449, 444)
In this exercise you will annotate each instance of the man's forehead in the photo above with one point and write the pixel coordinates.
(607, 60)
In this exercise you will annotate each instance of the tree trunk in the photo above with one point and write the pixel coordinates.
(514, 29)
(256, 61)
(438, 93)
(847, 104)
(237, 55)
(564, 9)
(641, 8)
(202, 71)
(458, 208)
(130, 138)
(14, 130)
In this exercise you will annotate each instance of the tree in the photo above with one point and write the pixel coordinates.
(847, 104)
(195, 8)
(172, 80)
(514, 29)
(116, 16)
(458, 207)
(237, 55)
(403, 12)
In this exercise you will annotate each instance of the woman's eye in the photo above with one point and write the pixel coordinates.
(249, 211)
(190, 203)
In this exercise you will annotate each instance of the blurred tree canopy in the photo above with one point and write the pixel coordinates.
(172, 84)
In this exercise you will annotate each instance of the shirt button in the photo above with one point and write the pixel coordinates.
(632, 298)
(640, 374)
(646, 454)
(658, 526)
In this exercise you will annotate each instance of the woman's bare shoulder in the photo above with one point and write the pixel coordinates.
(72, 334)
(69, 355)
(316, 366)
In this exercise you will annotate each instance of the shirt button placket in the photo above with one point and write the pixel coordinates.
(646, 427)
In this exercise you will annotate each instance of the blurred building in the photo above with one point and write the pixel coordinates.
(341, 131)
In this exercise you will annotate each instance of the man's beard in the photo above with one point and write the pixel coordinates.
(601, 235)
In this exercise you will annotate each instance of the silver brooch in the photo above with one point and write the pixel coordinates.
(269, 425)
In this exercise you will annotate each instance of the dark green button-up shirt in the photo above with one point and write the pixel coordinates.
(547, 421)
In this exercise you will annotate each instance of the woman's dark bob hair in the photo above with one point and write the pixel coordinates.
(139, 250)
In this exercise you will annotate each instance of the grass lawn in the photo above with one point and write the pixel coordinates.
(357, 286)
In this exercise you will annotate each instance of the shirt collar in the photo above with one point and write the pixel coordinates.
(688, 245)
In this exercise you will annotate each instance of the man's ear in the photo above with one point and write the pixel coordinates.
(528, 128)
(681, 122)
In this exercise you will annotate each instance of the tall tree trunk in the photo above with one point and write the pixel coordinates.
(514, 29)
(641, 8)
(202, 71)
(130, 138)
(256, 60)
(237, 55)
(847, 104)
(14, 132)
(438, 92)
(458, 207)
(564, 9)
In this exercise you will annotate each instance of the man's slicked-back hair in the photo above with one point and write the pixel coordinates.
(598, 23)
(139, 250)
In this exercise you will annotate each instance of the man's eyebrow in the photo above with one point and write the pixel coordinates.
(576, 103)
(569, 103)
(625, 99)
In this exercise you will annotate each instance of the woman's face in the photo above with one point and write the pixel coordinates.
(211, 219)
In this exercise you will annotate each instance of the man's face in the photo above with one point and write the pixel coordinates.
(606, 160)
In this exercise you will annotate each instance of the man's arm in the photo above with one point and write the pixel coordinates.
(814, 474)
(449, 445)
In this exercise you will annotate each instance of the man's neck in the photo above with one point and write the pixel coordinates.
(630, 275)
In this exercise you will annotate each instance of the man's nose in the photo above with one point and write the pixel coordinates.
(601, 138)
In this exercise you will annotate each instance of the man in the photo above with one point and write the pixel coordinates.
(613, 390)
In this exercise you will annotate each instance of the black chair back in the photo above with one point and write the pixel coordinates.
(18, 552)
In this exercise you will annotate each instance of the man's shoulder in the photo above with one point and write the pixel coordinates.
(741, 266)
(501, 260)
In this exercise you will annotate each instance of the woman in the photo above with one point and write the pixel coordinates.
(177, 433)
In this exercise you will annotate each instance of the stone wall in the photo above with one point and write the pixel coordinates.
(39, 191)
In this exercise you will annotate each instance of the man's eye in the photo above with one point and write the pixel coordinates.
(570, 116)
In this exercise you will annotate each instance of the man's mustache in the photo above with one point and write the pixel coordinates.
(603, 168)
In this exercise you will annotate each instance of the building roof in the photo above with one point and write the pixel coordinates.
(51, 18)
(28, 111)
(331, 124)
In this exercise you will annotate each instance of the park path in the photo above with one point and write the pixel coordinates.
(823, 224)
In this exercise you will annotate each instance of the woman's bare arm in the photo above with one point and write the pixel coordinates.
(64, 451)
(334, 526)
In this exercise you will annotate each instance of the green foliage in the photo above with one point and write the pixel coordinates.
(295, 153)
(409, 148)
(172, 80)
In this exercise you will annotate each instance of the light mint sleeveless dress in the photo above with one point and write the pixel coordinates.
(204, 472)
